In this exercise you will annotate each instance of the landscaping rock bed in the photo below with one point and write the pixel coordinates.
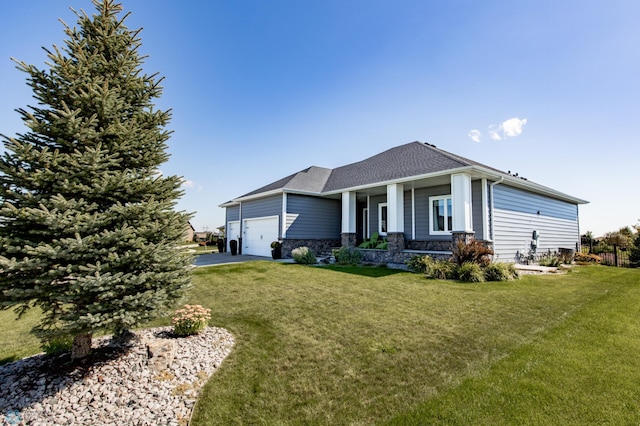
(116, 385)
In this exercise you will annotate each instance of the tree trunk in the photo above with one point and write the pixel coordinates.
(81, 345)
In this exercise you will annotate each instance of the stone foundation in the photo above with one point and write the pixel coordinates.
(349, 239)
(465, 237)
(384, 257)
(437, 245)
(395, 242)
(319, 247)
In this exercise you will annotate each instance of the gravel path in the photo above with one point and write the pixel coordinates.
(115, 387)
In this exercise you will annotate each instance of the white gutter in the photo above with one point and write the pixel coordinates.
(475, 171)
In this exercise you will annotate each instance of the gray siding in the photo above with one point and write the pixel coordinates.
(407, 215)
(476, 208)
(489, 215)
(269, 206)
(516, 216)
(313, 218)
(517, 200)
(232, 213)
(373, 212)
(422, 211)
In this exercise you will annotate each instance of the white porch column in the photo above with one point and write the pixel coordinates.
(348, 212)
(395, 208)
(461, 202)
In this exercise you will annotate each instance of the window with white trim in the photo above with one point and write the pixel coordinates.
(382, 218)
(440, 215)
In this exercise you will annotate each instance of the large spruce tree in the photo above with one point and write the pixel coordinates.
(88, 226)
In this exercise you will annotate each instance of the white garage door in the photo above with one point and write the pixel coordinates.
(233, 233)
(258, 235)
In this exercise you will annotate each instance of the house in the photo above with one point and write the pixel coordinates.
(189, 232)
(419, 197)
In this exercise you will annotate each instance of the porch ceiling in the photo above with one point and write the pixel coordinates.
(414, 184)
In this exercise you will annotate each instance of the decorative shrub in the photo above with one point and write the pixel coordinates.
(585, 258)
(550, 259)
(440, 269)
(470, 272)
(303, 255)
(347, 256)
(375, 242)
(191, 319)
(500, 272)
(276, 245)
(419, 264)
(57, 345)
(472, 252)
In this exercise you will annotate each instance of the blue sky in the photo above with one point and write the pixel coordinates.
(262, 89)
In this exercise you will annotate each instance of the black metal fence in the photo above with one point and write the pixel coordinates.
(611, 255)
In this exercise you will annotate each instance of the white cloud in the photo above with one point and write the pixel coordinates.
(507, 129)
(186, 183)
(513, 127)
(475, 135)
(494, 132)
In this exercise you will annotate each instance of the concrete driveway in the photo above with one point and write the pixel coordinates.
(225, 259)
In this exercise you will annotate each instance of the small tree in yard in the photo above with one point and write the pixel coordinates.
(88, 229)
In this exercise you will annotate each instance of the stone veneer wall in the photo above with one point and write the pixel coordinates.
(383, 257)
(319, 247)
(438, 245)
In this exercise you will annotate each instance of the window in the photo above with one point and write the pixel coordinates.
(440, 215)
(382, 218)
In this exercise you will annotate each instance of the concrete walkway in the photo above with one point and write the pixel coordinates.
(227, 258)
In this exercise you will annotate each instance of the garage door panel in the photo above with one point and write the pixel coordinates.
(233, 233)
(258, 235)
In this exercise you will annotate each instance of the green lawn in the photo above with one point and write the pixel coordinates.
(369, 345)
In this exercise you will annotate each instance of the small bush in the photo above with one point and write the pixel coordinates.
(500, 272)
(419, 264)
(303, 255)
(57, 345)
(347, 256)
(473, 252)
(375, 242)
(549, 260)
(191, 319)
(584, 258)
(471, 273)
(276, 245)
(440, 269)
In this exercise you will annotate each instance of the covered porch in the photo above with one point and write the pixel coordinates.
(421, 216)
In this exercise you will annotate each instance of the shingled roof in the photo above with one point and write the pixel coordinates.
(412, 159)
(311, 179)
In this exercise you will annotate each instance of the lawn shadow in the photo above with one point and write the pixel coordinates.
(57, 372)
(8, 359)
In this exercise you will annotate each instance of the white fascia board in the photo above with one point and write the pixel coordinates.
(237, 201)
(475, 172)
(397, 181)
(229, 204)
(530, 186)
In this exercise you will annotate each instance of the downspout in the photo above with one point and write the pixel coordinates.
(283, 221)
(493, 222)
(241, 230)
